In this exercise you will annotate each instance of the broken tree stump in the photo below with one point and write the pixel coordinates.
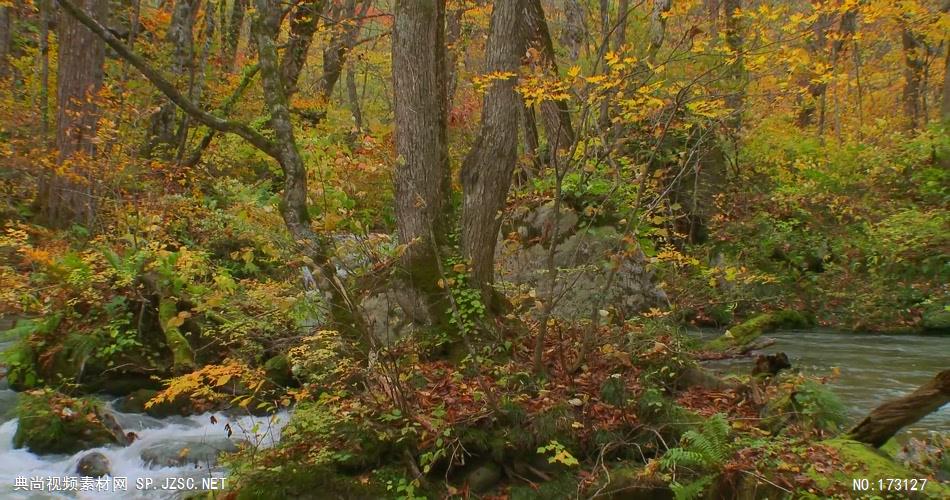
(889, 418)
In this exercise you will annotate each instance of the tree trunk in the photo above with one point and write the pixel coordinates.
(657, 27)
(945, 97)
(623, 16)
(67, 199)
(945, 94)
(889, 418)
(453, 35)
(913, 77)
(815, 45)
(555, 116)
(198, 74)
(343, 39)
(736, 93)
(166, 124)
(422, 163)
(575, 29)
(353, 99)
(303, 24)
(293, 207)
(712, 13)
(44, 70)
(486, 171)
(233, 34)
(6, 36)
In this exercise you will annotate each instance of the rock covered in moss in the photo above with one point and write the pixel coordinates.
(50, 422)
(936, 319)
(278, 371)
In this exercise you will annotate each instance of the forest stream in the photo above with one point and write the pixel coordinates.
(873, 369)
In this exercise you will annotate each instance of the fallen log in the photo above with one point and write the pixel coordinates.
(889, 418)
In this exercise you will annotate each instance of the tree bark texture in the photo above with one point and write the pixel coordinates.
(69, 198)
(657, 27)
(575, 29)
(913, 77)
(343, 40)
(6, 38)
(734, 41)
(889, 418)
(44, 6)
(945, 94)
(422, 163)
(487, 170)
(453, 36)
(233, 33)
(303, 24)
(555, 116)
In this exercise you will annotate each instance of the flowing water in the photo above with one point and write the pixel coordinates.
(170, 457)
(873, 367)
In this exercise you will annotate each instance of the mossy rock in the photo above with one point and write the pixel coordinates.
(936, 319)
(872, 464)
(136, 403)
(742, 334)
(50, 422)
(278, 370)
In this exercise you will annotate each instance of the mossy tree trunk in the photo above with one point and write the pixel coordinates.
(183, 357)
(422, 164)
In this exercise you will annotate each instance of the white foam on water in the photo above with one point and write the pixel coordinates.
(127, 461)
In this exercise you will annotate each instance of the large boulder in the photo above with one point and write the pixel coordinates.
(50, 422)
(584, 255)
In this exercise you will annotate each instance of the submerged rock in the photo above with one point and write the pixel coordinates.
(94, 464)
(50, 422)
(178, 452)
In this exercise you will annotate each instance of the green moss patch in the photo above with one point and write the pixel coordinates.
(50, 422)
